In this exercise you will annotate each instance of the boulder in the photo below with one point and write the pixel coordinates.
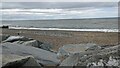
(33, 43)
(3, 37)
(16, 38)
(16, 61)
(4, 26)
(18, 42)
(101, 57)
(46, 46)
(29, 42)
(94, 58)
(37, 44)
(71, 49)
(70, 61)
(44, 57)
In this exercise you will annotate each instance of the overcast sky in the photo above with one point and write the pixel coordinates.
(58, 10)
(63, 5)
(59, 0)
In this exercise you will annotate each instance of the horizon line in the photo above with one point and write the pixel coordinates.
(59, 19)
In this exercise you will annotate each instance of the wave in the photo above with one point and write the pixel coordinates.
(63, 29)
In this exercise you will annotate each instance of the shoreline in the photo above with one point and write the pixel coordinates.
(65, 29)
(60, 38)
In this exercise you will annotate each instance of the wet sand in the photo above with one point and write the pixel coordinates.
(60, 38)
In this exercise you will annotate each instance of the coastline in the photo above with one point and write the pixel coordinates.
(56, 35)
(65, 29)
(58, 38)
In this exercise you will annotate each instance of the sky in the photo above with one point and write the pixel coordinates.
(59, 0)
(57, 10)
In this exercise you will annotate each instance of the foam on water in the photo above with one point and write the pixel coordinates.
(63, 29)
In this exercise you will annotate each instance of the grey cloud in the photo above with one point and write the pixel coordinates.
(61, 5)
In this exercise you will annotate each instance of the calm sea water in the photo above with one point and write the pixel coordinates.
(104, 23)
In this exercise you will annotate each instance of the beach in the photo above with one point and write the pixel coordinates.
(58, 38)
(59, 34)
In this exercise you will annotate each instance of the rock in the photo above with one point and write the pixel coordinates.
(102, 57)
(42, 56)
(3, 37)
(29, 42)
(33, 43)
(37, 44)
(94, 58)
(18, 42)
(16, 38)
(4, 26)
(71, 61)
(46, 46)
(71, 49)
(112, 61)
(16, 61)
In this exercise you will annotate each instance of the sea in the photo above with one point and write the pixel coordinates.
(91, 24)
